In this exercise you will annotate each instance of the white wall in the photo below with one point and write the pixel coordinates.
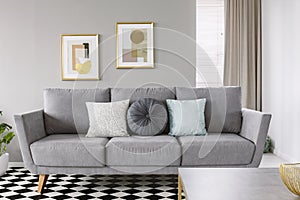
(30, 46)
(281, 74)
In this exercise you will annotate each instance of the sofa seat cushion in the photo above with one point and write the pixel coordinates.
(143, 151)
(62, 150)
(216, 150)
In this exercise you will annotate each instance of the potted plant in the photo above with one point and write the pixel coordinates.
(5, 137)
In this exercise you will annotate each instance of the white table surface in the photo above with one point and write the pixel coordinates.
(234, 184)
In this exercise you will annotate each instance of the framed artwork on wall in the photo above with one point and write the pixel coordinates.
(80, 57)
(135, 45)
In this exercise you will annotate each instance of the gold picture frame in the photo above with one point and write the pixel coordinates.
(85, 65)
(134, 45)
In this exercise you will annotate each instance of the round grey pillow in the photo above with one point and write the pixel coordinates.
(147, 117)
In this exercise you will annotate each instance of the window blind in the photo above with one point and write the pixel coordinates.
(210, 42)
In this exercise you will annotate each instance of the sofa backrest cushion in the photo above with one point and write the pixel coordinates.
(161, 94)
(65, 109)
(223, 110)
(134, 94)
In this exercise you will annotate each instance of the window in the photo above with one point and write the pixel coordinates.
(210, 42)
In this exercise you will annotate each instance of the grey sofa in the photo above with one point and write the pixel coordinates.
(53, 140)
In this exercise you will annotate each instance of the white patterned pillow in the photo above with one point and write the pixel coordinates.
(107, 119)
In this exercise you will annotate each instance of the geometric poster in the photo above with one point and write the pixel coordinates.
(80, 57)
(135, 45)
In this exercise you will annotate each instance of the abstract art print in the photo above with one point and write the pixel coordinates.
(80, 56)
(135, 45)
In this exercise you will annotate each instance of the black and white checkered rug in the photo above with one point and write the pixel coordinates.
(19, 183)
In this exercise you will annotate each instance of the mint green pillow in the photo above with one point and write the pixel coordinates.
(186, 117)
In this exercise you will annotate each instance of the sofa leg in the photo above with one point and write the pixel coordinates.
(42, 182)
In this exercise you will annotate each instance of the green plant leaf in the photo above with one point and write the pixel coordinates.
(4, 149)
(8, 137)
(5, 138)
(4, 127)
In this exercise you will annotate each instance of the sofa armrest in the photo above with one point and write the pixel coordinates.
(255, 128)
(30, 128)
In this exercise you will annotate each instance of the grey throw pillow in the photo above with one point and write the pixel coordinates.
(147, 117)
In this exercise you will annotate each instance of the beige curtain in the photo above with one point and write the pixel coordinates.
(242, 65)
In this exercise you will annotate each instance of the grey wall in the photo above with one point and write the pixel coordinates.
(281, 70)
(30, 46)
